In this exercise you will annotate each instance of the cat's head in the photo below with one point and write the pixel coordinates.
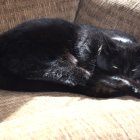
(119, 58)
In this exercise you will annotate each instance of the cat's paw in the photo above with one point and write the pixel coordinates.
(86, 74)
(81, 76)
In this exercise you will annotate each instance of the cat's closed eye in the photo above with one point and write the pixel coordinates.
(133, 70)
(115, 67)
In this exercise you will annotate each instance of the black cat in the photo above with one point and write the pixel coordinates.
(82, 58)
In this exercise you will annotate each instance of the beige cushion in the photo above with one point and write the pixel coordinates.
(53, 116)
(67, 116)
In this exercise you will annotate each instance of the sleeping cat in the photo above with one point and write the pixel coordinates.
(77, 57)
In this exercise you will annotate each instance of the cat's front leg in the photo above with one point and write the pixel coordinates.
(71, 76)
(114, 86)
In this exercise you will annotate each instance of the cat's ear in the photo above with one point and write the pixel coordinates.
(109, 48)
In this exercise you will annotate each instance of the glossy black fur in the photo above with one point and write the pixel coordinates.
(61, 56)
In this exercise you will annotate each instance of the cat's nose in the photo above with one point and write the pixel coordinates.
(125, 73)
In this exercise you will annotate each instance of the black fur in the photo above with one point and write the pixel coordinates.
(69, 57)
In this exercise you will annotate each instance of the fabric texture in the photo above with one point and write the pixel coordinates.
(67, 116)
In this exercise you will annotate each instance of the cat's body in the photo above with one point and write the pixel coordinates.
(101, 62)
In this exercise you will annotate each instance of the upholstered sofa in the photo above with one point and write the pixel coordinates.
(67, 116)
